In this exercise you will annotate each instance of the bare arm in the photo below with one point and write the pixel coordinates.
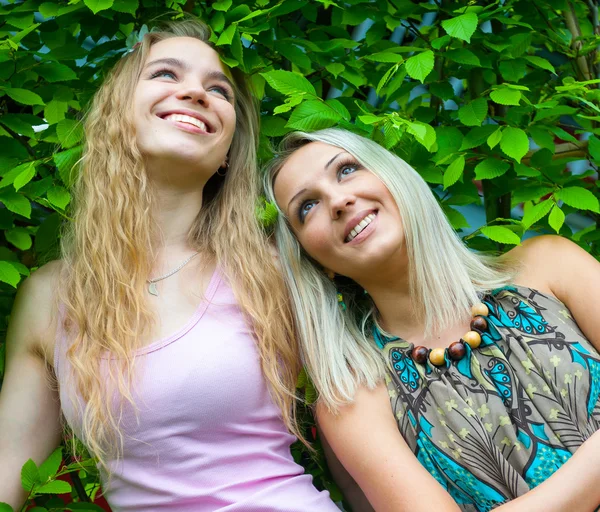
(365, 438)
(353, 494)
(29, 407)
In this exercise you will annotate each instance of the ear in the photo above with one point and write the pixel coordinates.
(330, 273)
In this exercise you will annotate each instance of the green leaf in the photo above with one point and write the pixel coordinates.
(21, 123)
(536, 213)
(462, 27)
(473, 113)
(59, 197)
(579, 198)
(24, 96)
(55, 72)
(456, 219)
(539, 62)
(514, 143)
(556, 219)
(30, 476)
(386, 78)
(287, 82)
(477, 136)
(513, 70)
(490, 168)
(594, 148)
(20, 35)
(65, 162)
(126, 6)
(542, 137)
(449, 140)
(454, 171)
(98, 5)
(463, 56)
(19, 237)
(562, 134)
(54, 487)
(267, 213)
(46, 237)
(420, 65)
(339, 107)
(10, 275)
(69, 132)
(440, 42)
(227, 35)
(494, 138)
(48, 9)
(55, 111)
(384, 57)
(501, 235)
(313, 115)
(273, 126)
(222, 5)
(524, 170)
(506, 96)
(335, 68)
(442, 90)
(424, 133)
(16, 203)
(25, 176)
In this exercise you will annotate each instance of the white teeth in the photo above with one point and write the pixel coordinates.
(182, 118)
(360, 226)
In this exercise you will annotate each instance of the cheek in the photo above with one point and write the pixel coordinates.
(318, 244)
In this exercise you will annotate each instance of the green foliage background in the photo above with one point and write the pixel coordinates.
(523, 70)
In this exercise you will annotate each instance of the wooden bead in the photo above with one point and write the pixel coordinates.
(419, 354)
(437, 356)
(479, 324)
(457, 350)
(480, 310)
(472, 338)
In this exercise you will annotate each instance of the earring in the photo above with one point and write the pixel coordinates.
(222, 171)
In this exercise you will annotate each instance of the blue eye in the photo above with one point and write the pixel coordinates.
(346, 169)
(223, 91)
(164, 73)
(304, 208)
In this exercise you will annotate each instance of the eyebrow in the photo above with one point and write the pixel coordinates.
(211, 75)
(304, 189)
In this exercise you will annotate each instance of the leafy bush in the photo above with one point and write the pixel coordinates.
(496, 95)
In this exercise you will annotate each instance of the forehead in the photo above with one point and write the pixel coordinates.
(302, 166)
(189, 49)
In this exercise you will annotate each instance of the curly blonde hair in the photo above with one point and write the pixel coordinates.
(107, 252)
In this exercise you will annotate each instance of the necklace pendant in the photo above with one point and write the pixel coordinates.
(152, 290)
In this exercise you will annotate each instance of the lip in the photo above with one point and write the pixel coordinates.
(191, 113)
(351, 224)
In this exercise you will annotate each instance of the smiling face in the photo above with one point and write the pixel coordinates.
(342, 214)
(183, 106)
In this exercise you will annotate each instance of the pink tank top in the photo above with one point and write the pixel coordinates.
(209, 436)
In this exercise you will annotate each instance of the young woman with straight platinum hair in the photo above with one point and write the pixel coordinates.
(490, 364)
(169, 345)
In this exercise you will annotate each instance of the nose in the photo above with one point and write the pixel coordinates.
(195, 93)
(339, 202)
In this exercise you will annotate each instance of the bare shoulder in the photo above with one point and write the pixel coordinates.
(34, 316)
(550, 263)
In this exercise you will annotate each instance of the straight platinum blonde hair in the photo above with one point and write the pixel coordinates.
(445, 276)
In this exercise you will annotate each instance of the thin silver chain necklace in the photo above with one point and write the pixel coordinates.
(152, 290)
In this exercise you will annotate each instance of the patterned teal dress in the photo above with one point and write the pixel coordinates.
(501, 420)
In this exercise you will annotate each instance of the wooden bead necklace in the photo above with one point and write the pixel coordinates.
(457, 350)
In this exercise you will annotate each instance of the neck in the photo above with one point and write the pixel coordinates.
(391, 294)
